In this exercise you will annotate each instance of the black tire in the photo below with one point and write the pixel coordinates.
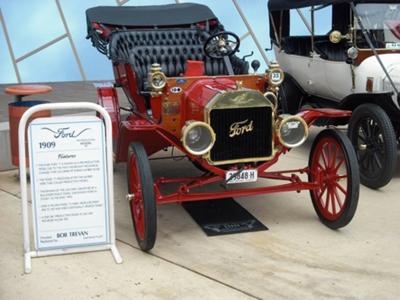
(290, 96)
(343, 198)
(373, 137)
(145, 232)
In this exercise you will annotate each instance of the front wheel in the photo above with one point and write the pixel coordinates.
(333, 163)
(372, 135)
(141, 197)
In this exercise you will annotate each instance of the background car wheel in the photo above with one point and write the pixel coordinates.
(372, 135)
(142, 202)
(333, 162)
(290, 96)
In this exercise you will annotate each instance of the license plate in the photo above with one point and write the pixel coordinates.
(242, 177)
(393, 46)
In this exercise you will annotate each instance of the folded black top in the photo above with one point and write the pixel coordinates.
(149, 16)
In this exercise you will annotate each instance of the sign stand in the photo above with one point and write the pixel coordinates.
(111, 245)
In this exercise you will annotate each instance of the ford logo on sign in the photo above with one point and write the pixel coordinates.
(65, 133)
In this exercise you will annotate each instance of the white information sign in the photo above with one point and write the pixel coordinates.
(68, 182)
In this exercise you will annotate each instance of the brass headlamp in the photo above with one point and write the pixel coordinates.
(198, 137)
(157, 78)
(292, 131)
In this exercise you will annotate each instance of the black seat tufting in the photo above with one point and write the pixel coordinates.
(302, 46)
(169, 48)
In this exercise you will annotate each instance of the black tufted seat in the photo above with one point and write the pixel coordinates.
(301, 45)
(170, 48)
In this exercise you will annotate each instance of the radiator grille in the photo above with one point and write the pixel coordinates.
(246, 145)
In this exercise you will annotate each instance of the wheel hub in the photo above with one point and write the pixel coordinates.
(362, 147)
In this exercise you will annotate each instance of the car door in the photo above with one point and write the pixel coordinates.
(296, 58)
(318, 84)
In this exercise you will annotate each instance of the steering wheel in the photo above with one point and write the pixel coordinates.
(222, 44)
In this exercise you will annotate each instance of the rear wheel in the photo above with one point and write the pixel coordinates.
(141, 197)
(333, 163)
(372, 135)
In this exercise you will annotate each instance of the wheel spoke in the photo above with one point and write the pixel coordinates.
(339, 165)
(361, 158)
(341, 188)
(368, 123)
(361, 137)
(333, 204)
(321, 193)
(329, 155)
(323, 157)
(371, 163)
(381, 147)
(377, 160)
(327, 200)
(367, 161)
(363, 132)
(334, 156)
(339, 202)
(375, 129)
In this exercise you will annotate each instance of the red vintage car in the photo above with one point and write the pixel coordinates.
(188, 89)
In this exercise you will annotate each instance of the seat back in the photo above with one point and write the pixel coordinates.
(169, 48)
(301, 45)
(298, 45)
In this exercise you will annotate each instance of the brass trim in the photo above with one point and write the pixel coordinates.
(190, 125)
(273, 69)
(275, 99)
(227, 102)
(153, 86)
(261, 101)
(335, 37)
(287, 118)
(243, 160)
(239, 85)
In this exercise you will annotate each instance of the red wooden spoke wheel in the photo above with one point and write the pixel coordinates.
(333, 163)
(141, 197)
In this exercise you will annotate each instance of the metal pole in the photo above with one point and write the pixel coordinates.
(312, 29)
(10, 49)
(250, 29)
(121, 2)
(75, 52)
(304, 19)
(56, 40)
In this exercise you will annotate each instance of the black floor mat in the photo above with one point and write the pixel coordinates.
(219, 217)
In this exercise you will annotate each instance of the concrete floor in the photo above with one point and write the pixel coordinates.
(298, 258)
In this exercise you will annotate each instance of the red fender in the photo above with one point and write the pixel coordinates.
(311, 115)
(108, 98)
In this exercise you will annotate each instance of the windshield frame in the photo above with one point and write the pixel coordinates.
(395, 44)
